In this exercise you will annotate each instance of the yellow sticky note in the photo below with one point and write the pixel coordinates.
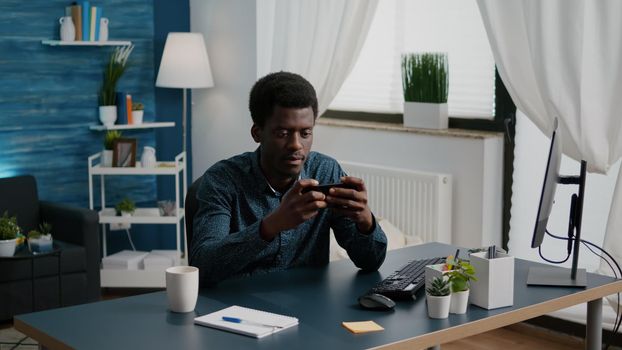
(362, 327)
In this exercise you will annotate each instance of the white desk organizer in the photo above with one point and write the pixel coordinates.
(495, 281)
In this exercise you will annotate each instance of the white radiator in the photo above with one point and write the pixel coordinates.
(418, 203)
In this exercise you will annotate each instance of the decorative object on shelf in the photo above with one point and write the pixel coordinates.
(67, 29)
(138, 110)
(124, 153)
(112, 73)
(125, 207)
(167, 208)
(425, 82)
(40, 241)
(103, 29)
(148, 157)
(109, 140)
(9, 232)
(438, 298)
(184, 65)
(461, 273)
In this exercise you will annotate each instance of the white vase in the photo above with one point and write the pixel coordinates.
(425, 115)
(108, 115)
(103, 29)
(7, 247)
(106, 160)
(67, 29)
(438, 307)
(137, 117)
(148, 158)
(459, 302)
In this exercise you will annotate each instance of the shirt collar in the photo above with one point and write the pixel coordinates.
(258, 174)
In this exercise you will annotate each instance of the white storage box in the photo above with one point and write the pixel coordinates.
(494, 287)
(124, 260)
(160, 260)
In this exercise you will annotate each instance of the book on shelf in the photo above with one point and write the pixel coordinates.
(92, 19)
(124, 260)
(76, 17)
(98, 17)
(128, 103)
(121, 108)
(86, 22)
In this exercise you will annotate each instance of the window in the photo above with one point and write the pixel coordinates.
(452, 26)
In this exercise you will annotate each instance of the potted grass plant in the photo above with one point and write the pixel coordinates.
(109, 138)
(425, 81)
(9, 232)
(438, 297)
(112, 73)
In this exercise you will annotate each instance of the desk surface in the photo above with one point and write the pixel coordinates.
(320, 297)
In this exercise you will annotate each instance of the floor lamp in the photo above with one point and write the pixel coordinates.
(184, 65)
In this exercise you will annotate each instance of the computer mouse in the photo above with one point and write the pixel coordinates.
(375, 301)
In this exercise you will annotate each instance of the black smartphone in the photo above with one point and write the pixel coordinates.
(325, 188)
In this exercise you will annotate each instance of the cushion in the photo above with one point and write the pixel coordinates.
(395, 239)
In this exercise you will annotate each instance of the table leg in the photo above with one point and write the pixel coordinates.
(594, 327)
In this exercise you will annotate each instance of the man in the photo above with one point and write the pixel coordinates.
(254, 213)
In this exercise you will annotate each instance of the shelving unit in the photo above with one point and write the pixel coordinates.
(107, 216)
(101, 127)
(86, 43)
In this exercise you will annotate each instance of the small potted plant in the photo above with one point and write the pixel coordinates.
(40, 241)
(460, 276)
(112, 73)
(138, 110)
(125, 207)
(109, 139)
(9, 232)
(425, 83)
(438, 297)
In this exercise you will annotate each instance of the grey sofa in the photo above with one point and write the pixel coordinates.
(75, 231)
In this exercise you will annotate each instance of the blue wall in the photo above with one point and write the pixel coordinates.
(49, 97)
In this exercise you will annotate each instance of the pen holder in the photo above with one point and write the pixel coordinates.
(494, 287)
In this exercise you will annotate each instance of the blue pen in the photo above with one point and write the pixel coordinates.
(253, 323)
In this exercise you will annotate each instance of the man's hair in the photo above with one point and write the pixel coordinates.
(284, 89)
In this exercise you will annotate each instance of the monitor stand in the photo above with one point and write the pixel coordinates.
(555, 276)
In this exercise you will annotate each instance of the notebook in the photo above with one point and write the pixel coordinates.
(255, 323)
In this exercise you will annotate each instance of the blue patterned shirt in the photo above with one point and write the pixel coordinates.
(234, 196)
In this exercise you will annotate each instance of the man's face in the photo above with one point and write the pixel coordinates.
(286, 140)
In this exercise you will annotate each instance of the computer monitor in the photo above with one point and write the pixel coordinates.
(557, 276)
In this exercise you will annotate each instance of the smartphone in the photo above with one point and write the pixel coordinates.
(325, 188)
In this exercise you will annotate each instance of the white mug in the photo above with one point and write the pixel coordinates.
(182, 288)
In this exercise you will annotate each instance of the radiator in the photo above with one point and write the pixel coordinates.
(418, 203)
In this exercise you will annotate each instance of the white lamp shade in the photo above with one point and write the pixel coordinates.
(184, 62)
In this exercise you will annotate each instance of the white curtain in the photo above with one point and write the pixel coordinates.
(319, 39)
(561, 59)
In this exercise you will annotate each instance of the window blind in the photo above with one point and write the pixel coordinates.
(400, 26)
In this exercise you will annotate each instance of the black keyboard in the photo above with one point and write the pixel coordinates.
(405, 282)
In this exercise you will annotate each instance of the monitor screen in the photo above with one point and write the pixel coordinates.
(551, 176)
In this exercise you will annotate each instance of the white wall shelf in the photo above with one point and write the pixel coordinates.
(107, 216)
(86, 43)
(101, 127)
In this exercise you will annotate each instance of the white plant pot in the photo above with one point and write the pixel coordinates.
(7, 247)
(459, 302)
(438, 307)
(108, 115)
(40, 245)
(106, 159)
(425, 115)
(137, 117)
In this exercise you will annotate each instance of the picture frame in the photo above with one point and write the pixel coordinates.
(124, 153)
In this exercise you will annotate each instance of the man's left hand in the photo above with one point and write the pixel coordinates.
(352, 203)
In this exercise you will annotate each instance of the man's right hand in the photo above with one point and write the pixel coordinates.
(295, 208)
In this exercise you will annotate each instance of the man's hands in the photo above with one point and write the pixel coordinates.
(352, 203)
(297, 207)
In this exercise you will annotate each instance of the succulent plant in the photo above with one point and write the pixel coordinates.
(439, 287)
(125, 206)
(137, 106)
